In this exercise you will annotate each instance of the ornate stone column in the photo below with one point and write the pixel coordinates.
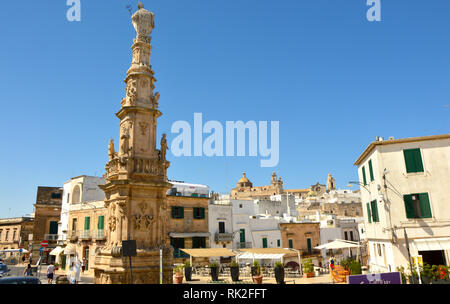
(136, 182)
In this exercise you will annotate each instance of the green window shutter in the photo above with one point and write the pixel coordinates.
(174, 215)
(291, 244)
(364, 175)
(278, 243)
(371, 170)
(101, 222)
(202, 213)
(369, 214)
(264, 242)
(374, 207)
(181, 212)
(242, 235)
(203, 242)
(181, 243)
(87, 223)
(408, 206)
(425, 208)
(413, 160)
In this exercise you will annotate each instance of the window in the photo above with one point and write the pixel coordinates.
(413, 160)
(87, 223)
(53, 227)
(369, 214)
(417, 205)
(221, 227)
(374, 208)
(264, 242)
(371, 171)
(177, 212)
(101, 222)
(379, 249)
(308, 245)
(199, 213)
(291, 243)
(56, 195)
(14, 235)
(198, 242)
(240, 205)
(351, 235)
(7, 234)
(74, 224)
(194, 194)
(364, 175)
(278, 243)
(345, 235)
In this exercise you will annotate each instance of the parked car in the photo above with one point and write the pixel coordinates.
(4, 270)
(20, 280)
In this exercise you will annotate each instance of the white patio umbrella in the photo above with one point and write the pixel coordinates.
(339, 244)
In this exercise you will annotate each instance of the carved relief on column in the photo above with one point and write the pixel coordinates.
(131, 92)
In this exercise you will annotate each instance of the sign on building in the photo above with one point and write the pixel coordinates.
(376, 278)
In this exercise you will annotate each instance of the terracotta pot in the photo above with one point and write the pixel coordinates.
(257, 279)
(308, 275)
(178, 278)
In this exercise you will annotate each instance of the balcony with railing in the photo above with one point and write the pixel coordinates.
(84, 234)
(99, 235)
(223, 237)
(51, 237)
(243, 245)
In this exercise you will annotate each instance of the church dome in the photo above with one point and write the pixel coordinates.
(244, 181)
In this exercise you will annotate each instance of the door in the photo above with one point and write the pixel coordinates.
(264, 242)
(221, 227)
(86, 257)
(242, 235)
(308, 244)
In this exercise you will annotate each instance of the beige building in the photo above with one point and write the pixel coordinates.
(245, 190)
(301, 236)
(46, 218)
(187, 219)
(86, 232)
(14, 234)
(405, 187)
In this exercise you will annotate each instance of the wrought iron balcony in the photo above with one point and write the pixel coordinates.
(243, 245)
(51, 237)
(223, 237)
(99, 234)
(84, 234)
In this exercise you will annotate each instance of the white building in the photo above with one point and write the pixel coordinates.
(405, 187)
(80, 189)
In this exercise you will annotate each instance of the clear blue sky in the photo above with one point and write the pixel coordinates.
(332, 79)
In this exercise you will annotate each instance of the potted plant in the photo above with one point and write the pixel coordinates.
(308, 268)
(234, 270)
(279, 273)
(178, 274)
(440, 274)
(214, 271)
(256, 273)
(188, 271)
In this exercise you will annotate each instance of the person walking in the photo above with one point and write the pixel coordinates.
(50, 272)
(77, 270)
(28, 272)
(83, 265)
(31, 258)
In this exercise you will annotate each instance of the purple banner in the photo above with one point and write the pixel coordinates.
(376, 278)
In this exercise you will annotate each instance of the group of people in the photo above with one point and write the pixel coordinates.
(73, 272)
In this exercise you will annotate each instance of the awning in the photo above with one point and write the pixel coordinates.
(209, 252)
(338, 244)
(70, 249)
(268, 250)
(188, 234)
(56, 251)
(432, 244)
(260, 256)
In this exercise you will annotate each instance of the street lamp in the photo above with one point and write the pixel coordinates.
(351, 183)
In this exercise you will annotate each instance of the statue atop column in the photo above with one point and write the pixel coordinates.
(331, 185)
